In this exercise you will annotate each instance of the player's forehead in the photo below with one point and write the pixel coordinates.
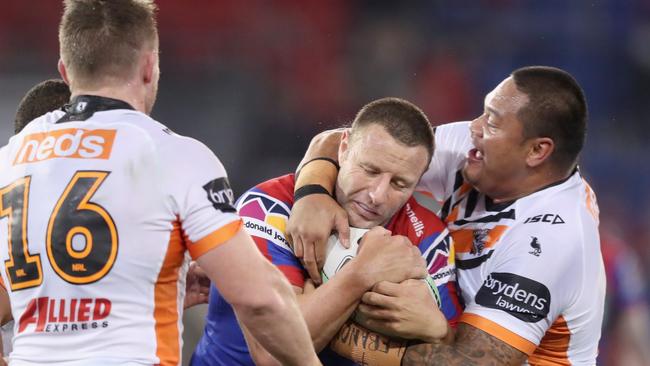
(505, 98)
(375, 148)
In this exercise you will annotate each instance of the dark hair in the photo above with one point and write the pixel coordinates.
(556, 109)
(402, 119)
(44, 97)
(104, 37)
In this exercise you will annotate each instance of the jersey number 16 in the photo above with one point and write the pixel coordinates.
(73, 217)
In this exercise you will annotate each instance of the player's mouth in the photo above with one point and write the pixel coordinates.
(365, 211)
(474, 155)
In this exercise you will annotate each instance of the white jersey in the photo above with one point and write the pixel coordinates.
(530, 271)
(96, 218)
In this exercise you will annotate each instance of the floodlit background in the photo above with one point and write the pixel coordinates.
(254, 80)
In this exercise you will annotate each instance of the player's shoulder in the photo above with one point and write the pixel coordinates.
(281, 187)
(549, 229)
(180, 151)
(274, 195)
(452, 142)
(557, 211)
(453, 128)
(421, 211)
(138, 123)
(417, 219)
(452, 135)
(265, 210)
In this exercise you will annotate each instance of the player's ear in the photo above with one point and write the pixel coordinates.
(539, 151)
(64, 73)
(344, 146)
(148, 66)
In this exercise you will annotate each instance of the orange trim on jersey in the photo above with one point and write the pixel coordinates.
(2, 283)
(464, 239)
(214, 239)
(495, 330)
(554, 347)
(466, 187)
(453, 215)
(166, 300)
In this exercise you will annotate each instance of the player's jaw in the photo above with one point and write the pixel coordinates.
(365, 215)
(474, 164)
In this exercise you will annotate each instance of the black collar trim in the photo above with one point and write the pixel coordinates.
(83, 107)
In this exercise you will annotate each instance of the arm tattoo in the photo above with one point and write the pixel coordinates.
(472, 347)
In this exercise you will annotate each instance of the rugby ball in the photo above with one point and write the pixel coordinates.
(337, 256)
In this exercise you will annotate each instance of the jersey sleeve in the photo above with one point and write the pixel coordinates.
(201, 196)
(265, 218)
(452, 142)
(442, 270)
(526, 288)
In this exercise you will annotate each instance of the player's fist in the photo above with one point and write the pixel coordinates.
(383, 257)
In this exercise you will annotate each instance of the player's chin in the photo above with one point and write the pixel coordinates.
(361, 222)
(472, 172)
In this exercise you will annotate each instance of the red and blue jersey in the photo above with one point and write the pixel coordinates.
(265, 210)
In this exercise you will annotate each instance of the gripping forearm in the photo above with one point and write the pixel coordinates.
(261, 297)
(367, 347)
(326, 309)
(472, 346)
(275, 322)
(321, 172)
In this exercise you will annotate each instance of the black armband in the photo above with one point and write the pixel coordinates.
(308, 189)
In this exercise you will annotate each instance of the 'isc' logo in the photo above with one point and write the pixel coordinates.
(552, 219)
(68, 143)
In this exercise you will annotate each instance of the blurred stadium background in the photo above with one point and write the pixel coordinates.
(254, 80)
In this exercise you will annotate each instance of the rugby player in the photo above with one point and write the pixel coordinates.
(100, 206)
(382, 158)
(524, 223)
(43, 97)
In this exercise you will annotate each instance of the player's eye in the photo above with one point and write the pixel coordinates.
(370, 171)
(398, 184)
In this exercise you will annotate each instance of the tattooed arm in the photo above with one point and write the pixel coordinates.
(472, 347)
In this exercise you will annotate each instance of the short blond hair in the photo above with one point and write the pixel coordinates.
(403, 120)
(100, 38)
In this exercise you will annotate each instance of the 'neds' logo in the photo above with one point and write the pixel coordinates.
(74, 143)
(519, 296)
(220, 194)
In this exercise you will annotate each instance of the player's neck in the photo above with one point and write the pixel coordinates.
(542, 179)
(124, 93)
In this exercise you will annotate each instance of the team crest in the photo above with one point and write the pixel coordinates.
(478, 242)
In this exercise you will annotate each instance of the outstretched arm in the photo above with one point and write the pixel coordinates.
(261, 297)
(472, 347)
